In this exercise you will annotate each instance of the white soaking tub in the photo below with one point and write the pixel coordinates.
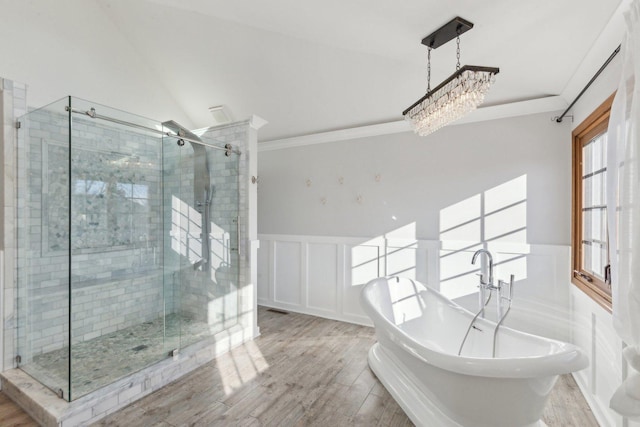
(416, 357)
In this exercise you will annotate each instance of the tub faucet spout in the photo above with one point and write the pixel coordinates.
(484, 285)
(488, 283)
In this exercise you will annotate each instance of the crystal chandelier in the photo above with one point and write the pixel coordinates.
(458, 95)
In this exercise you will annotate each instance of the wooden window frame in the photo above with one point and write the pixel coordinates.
(593, 125)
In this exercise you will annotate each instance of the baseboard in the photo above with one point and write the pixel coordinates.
(341, 317)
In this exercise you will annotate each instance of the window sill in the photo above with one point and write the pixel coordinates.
(601, 298)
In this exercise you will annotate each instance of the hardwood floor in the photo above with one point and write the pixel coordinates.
(11, 415)
(302, 371)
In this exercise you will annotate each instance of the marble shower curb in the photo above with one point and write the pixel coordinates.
(50, 411)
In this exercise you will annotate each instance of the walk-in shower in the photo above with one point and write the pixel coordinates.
(202, 187)
(127, 247)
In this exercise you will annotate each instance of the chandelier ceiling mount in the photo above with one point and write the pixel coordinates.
(449, 31)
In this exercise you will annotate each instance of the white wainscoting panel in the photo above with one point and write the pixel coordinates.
(592, 329)
(264, 272)
(322, 277)
(287, 262)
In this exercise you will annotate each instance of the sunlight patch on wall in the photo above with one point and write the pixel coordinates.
(365, 263)
(506, 211)
(459, 214)
(401, 261)
(215, 286)
(393, 253)
(401, 251)
(506, 194)
(495, 219)
(186, 236)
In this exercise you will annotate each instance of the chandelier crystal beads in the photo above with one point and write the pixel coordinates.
(455, 97)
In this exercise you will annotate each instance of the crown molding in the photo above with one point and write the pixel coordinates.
(513, 109)
(257, 122)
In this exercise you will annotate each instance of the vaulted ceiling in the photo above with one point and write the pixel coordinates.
(304, 66)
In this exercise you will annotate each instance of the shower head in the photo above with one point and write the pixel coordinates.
(180, 130)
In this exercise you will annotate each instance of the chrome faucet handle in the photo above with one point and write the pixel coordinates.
(511, 279)
(482, 282)
(502, 283)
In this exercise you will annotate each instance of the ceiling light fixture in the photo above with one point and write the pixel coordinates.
(456, 96)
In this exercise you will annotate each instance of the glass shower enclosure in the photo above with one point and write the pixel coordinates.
(127, 243)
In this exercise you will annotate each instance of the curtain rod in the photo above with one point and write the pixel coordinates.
(595, 76)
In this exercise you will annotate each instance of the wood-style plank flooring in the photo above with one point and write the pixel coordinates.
(12, 415)
(302, 371)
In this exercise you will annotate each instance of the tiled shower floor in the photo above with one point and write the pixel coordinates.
(100, 361)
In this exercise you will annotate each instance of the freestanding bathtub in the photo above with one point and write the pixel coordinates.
(416, 357)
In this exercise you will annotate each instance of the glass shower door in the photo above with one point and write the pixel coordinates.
(175, 239)
(204, 237)
(222, 275)
(117, 311)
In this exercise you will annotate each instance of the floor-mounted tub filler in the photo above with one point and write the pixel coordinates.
(439, 381)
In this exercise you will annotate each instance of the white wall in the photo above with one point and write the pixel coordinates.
(418, 179)
(333, 216)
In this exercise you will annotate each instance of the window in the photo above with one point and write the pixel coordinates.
(590, 246)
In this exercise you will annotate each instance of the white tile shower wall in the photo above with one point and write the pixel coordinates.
(12, 105)
(243, 136)
(174, 181)
(125, 279)
(215, 299)
(206, 298)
